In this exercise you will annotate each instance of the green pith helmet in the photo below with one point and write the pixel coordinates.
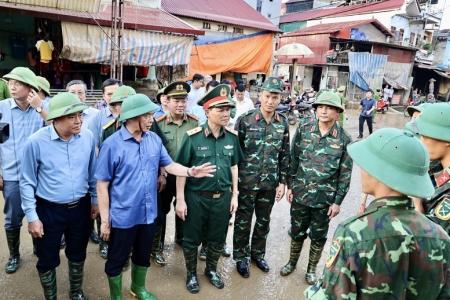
(330, 99)
(341, 88)
(136, 105)
(177, 89)
(397, 159)
(64, 104)
(419, 108)
(273, 85)
(158, 96)
(217, 97)
(43, 84)
(434, 122)
(23, 75)
(121, 93)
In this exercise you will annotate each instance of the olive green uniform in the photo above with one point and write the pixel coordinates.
(341, 115)
(376, 96)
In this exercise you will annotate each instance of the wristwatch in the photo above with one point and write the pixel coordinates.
(39, 109)
(235, 193)
(163, 174)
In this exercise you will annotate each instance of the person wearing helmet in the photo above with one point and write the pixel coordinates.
(318, 181)
(341, 92)
(79, 88)
(209, 201)
(390, 251)
(433, 125)
(44, 88)
(367, 106)
(161, 98)
(127, 175)
(25, 113)
(58, 190)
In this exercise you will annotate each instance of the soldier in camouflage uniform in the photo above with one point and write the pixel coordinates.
(264, 139)
(318, 182)
(433, 125)
(390, 251)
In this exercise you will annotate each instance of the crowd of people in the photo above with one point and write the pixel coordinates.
(126, 162)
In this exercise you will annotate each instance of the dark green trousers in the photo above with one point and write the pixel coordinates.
(260, 202)
(304, 217)
(202, 211)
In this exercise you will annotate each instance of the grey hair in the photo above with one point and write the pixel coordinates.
(73, 82)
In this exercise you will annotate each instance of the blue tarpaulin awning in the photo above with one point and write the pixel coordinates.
(366, 69)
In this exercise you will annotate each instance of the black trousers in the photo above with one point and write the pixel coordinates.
(168, 193)
(121, 241)
(73, 222)
(361, 124)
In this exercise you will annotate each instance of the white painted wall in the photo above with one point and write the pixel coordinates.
(214, 25)
(270, 9)
(145, 3)
(372, 33)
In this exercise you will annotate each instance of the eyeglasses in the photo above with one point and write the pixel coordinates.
(148, 116)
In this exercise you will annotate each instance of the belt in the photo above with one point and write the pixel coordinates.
(212, 195)
(64, 205)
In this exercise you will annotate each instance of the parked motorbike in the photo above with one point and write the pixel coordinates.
(382, 106)
(293, 112)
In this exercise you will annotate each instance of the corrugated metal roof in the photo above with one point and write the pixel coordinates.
(235, 12)
(337, 26)
(135, 17)
(343, 11)
(366, 69)
(90, 6)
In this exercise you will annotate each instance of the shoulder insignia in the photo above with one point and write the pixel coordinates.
(313, 128)
(107, 125)
(193, 117)
(159, 119)
(334, 132)
(194, 131)
(442, 178)
(334, 251)
(442, 211)
(232, 131)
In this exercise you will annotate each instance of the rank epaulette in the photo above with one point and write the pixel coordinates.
(194, 131)
(334, 132)
(193, 117)
(442, 178)
(107, 125)
(161, 118)
(231, 131)
(313, 128)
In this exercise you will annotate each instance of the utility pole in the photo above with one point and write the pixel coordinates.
(117, 12)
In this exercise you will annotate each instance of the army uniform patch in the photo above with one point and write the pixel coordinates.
(334, 251)
(442, 211)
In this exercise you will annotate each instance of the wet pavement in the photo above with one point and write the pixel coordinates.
(169, 282)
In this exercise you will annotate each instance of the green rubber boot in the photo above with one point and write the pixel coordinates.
(13, 239)
(190, 258)
(115, 287)
(48, 282)
(76, 272)
(296, 248)
(315, 252)
(137, 288)
(212, 258)
(156, 252)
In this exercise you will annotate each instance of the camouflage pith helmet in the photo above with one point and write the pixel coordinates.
(217, 97)
(23, 75)
(397, 159)
(330, 99)
(273, 85)
(419, 108)
(43, 84)
(136, 105)
(64, 104)
(121, 93)
(434, 122)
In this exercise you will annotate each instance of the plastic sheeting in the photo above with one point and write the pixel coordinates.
(366, 69)
(251, 53)
(89, 44)
(396, 74)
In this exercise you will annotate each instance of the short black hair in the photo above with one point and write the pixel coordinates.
(369, 90)
(111, 81)
(240, 88)
(225, 81)
(197, 77)
(212, 83)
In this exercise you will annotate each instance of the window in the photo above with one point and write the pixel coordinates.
(258, 5)
(402, 32)
(269, 16)
(412, 37)
(222, 28)
(206, 25)
(418, 40)
(238, 30)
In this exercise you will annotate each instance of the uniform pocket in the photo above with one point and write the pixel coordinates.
(205, 153)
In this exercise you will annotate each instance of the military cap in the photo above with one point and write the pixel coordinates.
(330, 99)
(273, 85)
(434, 122)
(136, 105)
(397, 159)
(64, 104)
(177, 89)
(121, 93)
(341, 88)
(158, 96)
(23, 75)
(43, 84)
(217, 97)
(411, 109)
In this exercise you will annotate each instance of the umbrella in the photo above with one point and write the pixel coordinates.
(294, 51)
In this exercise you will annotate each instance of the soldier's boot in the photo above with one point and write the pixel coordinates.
(178, 231)
(296, 249)
(156, 252)
(13, 239)
(315, 252)
(48, 282)
(76, 272)
(190, 257)
(115, 287)
(137, 288)
(212, 258)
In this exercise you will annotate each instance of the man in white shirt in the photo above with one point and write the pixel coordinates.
(196, 93)
(243, 104)
(79, 88)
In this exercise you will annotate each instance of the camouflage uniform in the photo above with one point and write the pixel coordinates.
(389, 252)
(320, 176)
(266, 164)
(438, 207)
